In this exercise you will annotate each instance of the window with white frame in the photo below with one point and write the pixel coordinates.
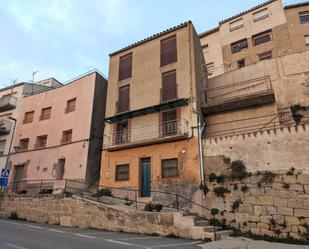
(307, 40)
(236, 24)
(260, 15)
(304, 17)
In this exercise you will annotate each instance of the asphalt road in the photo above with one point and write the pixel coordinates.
(26, 235)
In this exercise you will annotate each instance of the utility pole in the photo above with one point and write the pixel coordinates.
(11, 142)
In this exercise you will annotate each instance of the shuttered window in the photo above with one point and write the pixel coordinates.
(168, 50)
(169, 86)
(123, 103)
(122, 172)
(121, 135)
(45, 113)
(236, 24)
(41, 141)
(28, 117)
(169, 167)
(125, 67)
(66, 136)
(23, 144)
(260, 15)
(71, 105)
(239, 46)
(265, 56)
(2, 146)
(304, 17)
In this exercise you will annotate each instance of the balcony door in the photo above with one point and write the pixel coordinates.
(122, 133)
(145, 177)
(169, 123)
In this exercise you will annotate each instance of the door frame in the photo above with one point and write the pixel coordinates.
(140, 175)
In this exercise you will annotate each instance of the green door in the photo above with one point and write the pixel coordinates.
(145, 177)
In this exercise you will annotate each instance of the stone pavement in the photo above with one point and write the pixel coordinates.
(245, 243)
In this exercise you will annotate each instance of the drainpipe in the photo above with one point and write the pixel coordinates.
(201, 153)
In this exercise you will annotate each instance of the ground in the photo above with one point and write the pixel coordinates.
(244, 243)
(27, 235)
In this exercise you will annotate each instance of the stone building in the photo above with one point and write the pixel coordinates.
(155, 92)
(59, 133)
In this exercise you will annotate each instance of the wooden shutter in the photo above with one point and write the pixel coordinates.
(125, 67)
(124, 99)
(169, 86)
(168, 50)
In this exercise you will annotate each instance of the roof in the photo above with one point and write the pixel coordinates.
(11, 86)
(151, 38)
(296, 5)
(247, 11)
(209, 32)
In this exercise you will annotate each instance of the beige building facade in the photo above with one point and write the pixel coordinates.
(59, 133)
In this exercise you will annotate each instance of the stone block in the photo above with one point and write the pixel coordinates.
(260, 210)
(265, 200)
(256, 231)
(255, 218)
(67, 221)
(285, 211)
(306, 187)
(279, 219)
(295, 229)
(271, 210)
(288, 194)
(266, 219)
(295, 203)
(289, 179)
(301, 213)
(241, 217)
(306, 204)
(267, 232)
(280, 202)
(291, 220)
(262, 226)
(296, 187)
(303, 179)
(245, 208)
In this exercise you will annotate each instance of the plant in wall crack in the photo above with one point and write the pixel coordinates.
(244, 188)
(235, 205)
(296, 112)
(238, 170)
(286, 185)
(268, 177)
(204, 188)
(212, 177)
(291, 171)
(221, 191)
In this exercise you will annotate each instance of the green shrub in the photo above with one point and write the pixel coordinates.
(220, 179)
(238, 170)
(221, 191)
(14, 215)
(204, 188)
(235, 205)
(148, 207)
(286, 185)
(297, 116)
(214, 211)
(291, 171)
(268, 177)
(157, 206)
(103, 192)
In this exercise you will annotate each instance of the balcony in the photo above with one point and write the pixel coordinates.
(148, 134)
(243, 94)
(5, 127)
(7, 102)
(168, 93)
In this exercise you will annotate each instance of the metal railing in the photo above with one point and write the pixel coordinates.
(240, 89)
(147, 133)
(99, 193)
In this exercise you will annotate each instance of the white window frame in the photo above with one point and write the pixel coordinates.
(307, 40)
(236, 24)
(260, 15)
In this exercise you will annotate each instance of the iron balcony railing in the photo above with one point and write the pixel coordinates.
(149, 132)
(238, 90)
(7, 102)
(5, 127)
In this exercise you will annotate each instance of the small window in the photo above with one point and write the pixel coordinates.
(45, 113)
(169, 167)
(241, 63)
(2, 147)
(239, 46)
(123, 103)
(23, 144)
(66, 136)
(41, 141)
(260, 15)
(168, 50)
(71, 105)
(205, 48)
(261, 38)
(28, 117)
(125, 67)
(169, 86)
(304, 17)
(307, 40)
(210, 67)
(122, 172)
(265, 56)
(236, 25)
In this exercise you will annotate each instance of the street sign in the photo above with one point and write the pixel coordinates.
(4, 177)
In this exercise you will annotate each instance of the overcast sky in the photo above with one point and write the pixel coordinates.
(65, 38)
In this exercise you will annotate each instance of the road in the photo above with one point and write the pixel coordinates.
(27, 235)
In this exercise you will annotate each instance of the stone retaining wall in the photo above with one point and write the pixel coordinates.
(78, 212)
(277, 208)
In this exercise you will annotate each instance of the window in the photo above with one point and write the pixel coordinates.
(2, 147)
(123, 103)
(241, 63)
(304, 17)
(41, 141)
(169, 167)
(260, 15)
(307, 40)
(122, 133)
(169, 86)
(122, 172)
(239, 46)
(28, 117)
(169, 123)
(261, 38)
(45, 113)
(125, 67)
(236, 24)
(205, 48)
(71, 105)
(168, 50)
(23, 144)
(210, 67)
(265, 56)
(66, 136)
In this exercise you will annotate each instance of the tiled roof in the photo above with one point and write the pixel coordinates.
(151, 37)
(208, 32)
(297, 5)
(247, 11)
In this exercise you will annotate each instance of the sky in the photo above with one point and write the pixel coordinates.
(66, 38)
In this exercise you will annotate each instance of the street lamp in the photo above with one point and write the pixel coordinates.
(11, 142)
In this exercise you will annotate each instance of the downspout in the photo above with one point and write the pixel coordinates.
(201, 151)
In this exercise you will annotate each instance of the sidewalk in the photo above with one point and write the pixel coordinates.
(245, 243)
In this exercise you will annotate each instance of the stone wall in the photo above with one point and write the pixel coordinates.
(275, 204)
(78, 212)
